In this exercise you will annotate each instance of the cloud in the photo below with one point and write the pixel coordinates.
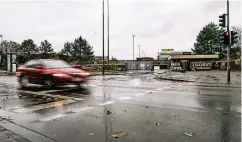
(157, 24)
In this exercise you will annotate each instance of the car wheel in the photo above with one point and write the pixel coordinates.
(48, 84)
(24, 82)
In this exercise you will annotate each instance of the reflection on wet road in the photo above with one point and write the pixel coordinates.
(143, 108)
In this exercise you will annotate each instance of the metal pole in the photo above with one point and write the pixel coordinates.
(1, 48)
(108, 28)
(133, 47)
(139, 51)
(228, 51)
(142, 54)
(103, 37)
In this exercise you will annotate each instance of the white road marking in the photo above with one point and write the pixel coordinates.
(92, 85)
(167, 87)
(125, 98)
(140, 94)
(5, 114)
(81, 109)
(78, 99)
(159, 89)
(52, 117)
(43, 106)
(107, 103)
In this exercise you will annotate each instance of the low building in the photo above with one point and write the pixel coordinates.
(193, 61)
(163, 56)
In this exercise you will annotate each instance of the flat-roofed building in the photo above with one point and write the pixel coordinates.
(193, 61)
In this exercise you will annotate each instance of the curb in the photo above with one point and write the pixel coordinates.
(171, 79)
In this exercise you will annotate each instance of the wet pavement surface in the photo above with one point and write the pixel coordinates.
(132, 107)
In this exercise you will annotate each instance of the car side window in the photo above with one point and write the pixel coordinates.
(32, 64)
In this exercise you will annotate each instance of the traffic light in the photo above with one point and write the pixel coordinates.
(222, 20)
(225, 39)
(234, 37)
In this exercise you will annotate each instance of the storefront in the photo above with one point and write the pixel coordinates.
(192, 62)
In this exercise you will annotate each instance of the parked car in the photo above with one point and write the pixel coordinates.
(50, 73)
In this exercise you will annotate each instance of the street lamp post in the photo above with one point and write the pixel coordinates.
(142, 54)
(133, 47)
(139, 51)
(103, 36)
(1, 58)
(108, 28)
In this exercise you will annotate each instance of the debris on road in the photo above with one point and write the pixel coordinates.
(125, 110)
(91, 134)
(119, 135)
(146, 106)
(158, 123)
(109, 112)
(188, 134)
(174, 117)
(151, 113)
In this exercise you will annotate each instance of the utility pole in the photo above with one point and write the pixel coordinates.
(139, 51)
(108, 28)
(103, 37)
(228, 51)
(1, 58)
(142, 54)
(133, 47)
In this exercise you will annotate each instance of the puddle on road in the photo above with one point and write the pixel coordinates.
(23, 100)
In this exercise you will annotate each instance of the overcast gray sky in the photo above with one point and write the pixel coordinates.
(157, 24)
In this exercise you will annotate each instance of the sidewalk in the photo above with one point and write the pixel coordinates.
(204, 77)
(8, 136)
(3, 72)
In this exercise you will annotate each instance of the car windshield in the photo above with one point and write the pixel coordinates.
(56, 64)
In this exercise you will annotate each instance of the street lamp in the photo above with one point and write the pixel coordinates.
(139, 51)
(1, 58)
(142, 54)
(108, 28)
(133, 46)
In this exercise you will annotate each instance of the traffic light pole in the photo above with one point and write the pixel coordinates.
(228, 47)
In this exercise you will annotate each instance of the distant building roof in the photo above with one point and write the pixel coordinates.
(201, 56)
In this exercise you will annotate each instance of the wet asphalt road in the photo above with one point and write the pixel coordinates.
(138, 107)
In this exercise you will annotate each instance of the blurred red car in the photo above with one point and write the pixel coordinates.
(50, 73)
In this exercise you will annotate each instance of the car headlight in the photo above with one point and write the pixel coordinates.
(60, 74)
(85, 73)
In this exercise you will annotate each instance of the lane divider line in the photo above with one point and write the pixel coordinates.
(106, 103)
(125, 98)
(159, 89)
(81, 109)
(52, 117)
(139, 94)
